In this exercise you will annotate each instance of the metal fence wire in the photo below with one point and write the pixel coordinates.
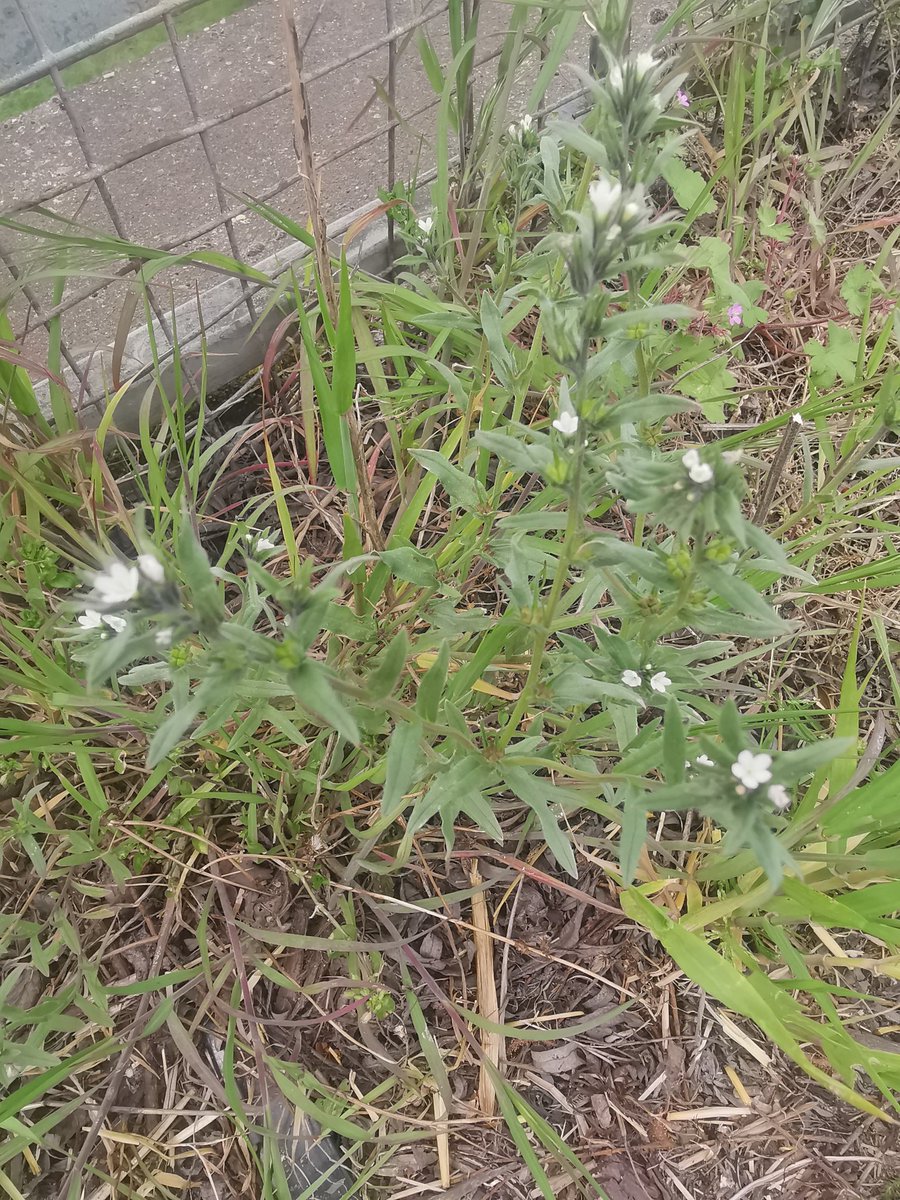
(94, 174)
(99, 173)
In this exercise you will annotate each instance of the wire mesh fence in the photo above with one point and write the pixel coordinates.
(165, 149)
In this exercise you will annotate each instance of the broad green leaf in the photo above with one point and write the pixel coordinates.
(315, 692)
(460, 487)
(433, 685)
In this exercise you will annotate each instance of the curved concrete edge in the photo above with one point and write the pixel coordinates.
(235, 345)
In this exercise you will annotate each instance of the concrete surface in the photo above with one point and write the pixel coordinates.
(62, 22)
(171, 191)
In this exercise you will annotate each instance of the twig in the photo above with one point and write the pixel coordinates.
(306, 164)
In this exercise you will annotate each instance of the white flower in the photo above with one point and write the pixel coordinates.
(605, 195)
(779, 796)
(163, 638)
(752, 769)
(260, 544)
(631, 679)
(660, 682)
(699, 472)
(426, 224)
(566, 423)
(151, 568)
(117, 584)
(91, 619)
(518, 129)
(703, 760)
(797, 419)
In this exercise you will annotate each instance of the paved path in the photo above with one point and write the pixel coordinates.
(231, 62)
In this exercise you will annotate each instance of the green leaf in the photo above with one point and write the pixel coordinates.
(688, 187)
(524, 456)
(343, 374)
(834, 359)
(540, 795)
(313, 688)
(388, 668)
(674, 745)
(753, 995)
(492, 324)
(433, 685)
(856, 290)
(404, 754)
(634, 831)
(411, 565)
(771, 227)
(461, 488)
(197, 573)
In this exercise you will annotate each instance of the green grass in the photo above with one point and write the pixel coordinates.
(130, 50)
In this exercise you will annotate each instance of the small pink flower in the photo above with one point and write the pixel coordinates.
(683, 98)
(735, 314)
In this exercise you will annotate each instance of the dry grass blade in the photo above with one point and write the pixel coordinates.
(491, 1040)
(303, 147)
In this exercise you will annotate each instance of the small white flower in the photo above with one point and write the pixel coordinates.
(797, 419)
(605, 195)
(518, 129)
(151, 568)
(779, 796)
(91, 619)
(660, 682)
(699, 472)
(631, 679)
(703, 760)
(117, 584)
(752, 769)
(426, 224)
(566, 423)
(163, 638)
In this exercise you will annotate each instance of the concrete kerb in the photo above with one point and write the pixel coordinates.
(235, 345)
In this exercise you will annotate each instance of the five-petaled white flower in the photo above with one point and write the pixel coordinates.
(91, 619)
(779, 796)
(566, 423)
(699, 472)
(117, 584)
(426, 224)
(660, 682)
(151, 568)
(605, 195)
(631, 679)
(752, 769)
